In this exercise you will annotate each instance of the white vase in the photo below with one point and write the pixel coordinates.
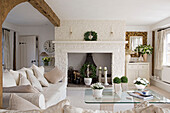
(117, 88)
(97, 93)
(87, 81)
(124, 86)
(140, 87)
(128, 57)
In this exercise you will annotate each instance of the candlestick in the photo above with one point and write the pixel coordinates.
(105, 76)
(100, 74)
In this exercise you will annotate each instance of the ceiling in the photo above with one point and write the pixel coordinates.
(25, 14)
(134, 12)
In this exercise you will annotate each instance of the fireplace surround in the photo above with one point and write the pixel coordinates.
(116, 48)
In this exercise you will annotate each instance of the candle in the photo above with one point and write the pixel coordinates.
(100, 74)
(105, 76)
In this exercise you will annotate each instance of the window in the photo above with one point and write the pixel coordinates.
(166, 58)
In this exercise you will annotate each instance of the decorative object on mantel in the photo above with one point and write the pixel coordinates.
(144, 50)
(105, 76)
(46, 60)
(124, 83)
(88, 71)
(141, 83)
(97, 89)
(90, 36)
(117, 85)
(100, 74)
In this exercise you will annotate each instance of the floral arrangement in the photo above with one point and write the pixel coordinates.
(144, 49)
(46, 59)
(97, 86)
(141, 81)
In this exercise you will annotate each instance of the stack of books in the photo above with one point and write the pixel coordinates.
(141, 95)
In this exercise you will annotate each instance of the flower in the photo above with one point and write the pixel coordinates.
(141, 81)
(46, 59)
(144, 49)
(97, 86)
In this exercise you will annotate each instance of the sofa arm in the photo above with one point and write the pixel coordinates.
(37, 99)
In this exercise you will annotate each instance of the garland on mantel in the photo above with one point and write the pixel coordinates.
(90, 36)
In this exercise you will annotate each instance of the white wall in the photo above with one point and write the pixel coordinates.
(44, 32)
(101, 27)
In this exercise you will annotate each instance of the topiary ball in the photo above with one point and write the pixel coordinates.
(124, 79)
(117, 80)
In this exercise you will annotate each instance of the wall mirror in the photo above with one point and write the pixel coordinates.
(134, 39)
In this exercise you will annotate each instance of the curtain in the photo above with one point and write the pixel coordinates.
(161, 36)
(8, 49)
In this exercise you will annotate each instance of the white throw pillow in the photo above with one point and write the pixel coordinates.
(55, 75)
(39, 74)
(23, 81)
(17, 73)
(8, 79)
(33, 80)
(58, 108)
(18, 103)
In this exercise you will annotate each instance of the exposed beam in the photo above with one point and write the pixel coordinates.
(43, 7)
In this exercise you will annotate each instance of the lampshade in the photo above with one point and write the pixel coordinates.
(43, 54)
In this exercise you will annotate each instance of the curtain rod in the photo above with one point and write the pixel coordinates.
(163, 29)
(5, 29)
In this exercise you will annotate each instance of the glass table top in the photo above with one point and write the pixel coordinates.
(109, 97)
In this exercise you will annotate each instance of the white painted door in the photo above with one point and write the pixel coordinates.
(28, 49)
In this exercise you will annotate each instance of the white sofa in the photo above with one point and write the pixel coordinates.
(50, 95)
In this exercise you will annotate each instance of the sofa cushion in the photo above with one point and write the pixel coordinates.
(54, 93)
(58, 108)
(34, 81)
(18, 103)
(23, 81)
(8, 79)
(20, 89)
(55, 75)
(39, 74)
(16, 74)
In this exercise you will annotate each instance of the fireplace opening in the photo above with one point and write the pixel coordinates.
(77, 60)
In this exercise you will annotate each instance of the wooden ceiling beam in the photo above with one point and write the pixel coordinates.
(44, 8)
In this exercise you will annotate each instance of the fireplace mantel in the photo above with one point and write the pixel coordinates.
(95, 42)
(116, 48)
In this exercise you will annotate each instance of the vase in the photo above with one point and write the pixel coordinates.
(87, 81)
(46, 63)
(127, 57)
(145, 57)
(140, 87)
(117, 87)
(124, 86)
(97, 93)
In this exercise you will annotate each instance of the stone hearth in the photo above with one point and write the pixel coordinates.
(116, 48)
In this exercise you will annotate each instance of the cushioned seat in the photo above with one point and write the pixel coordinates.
(54, 93)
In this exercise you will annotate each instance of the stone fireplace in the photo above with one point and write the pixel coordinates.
(115, 48)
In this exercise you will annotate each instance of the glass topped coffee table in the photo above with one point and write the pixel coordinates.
(109, 97)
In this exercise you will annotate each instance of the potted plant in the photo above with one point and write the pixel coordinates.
(141, 83)
(88, 71)
(124, 81)
(46, 60)
(144, 50)
(97, 89)
(117, 85)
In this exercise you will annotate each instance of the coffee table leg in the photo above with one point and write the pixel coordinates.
(107, 107)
